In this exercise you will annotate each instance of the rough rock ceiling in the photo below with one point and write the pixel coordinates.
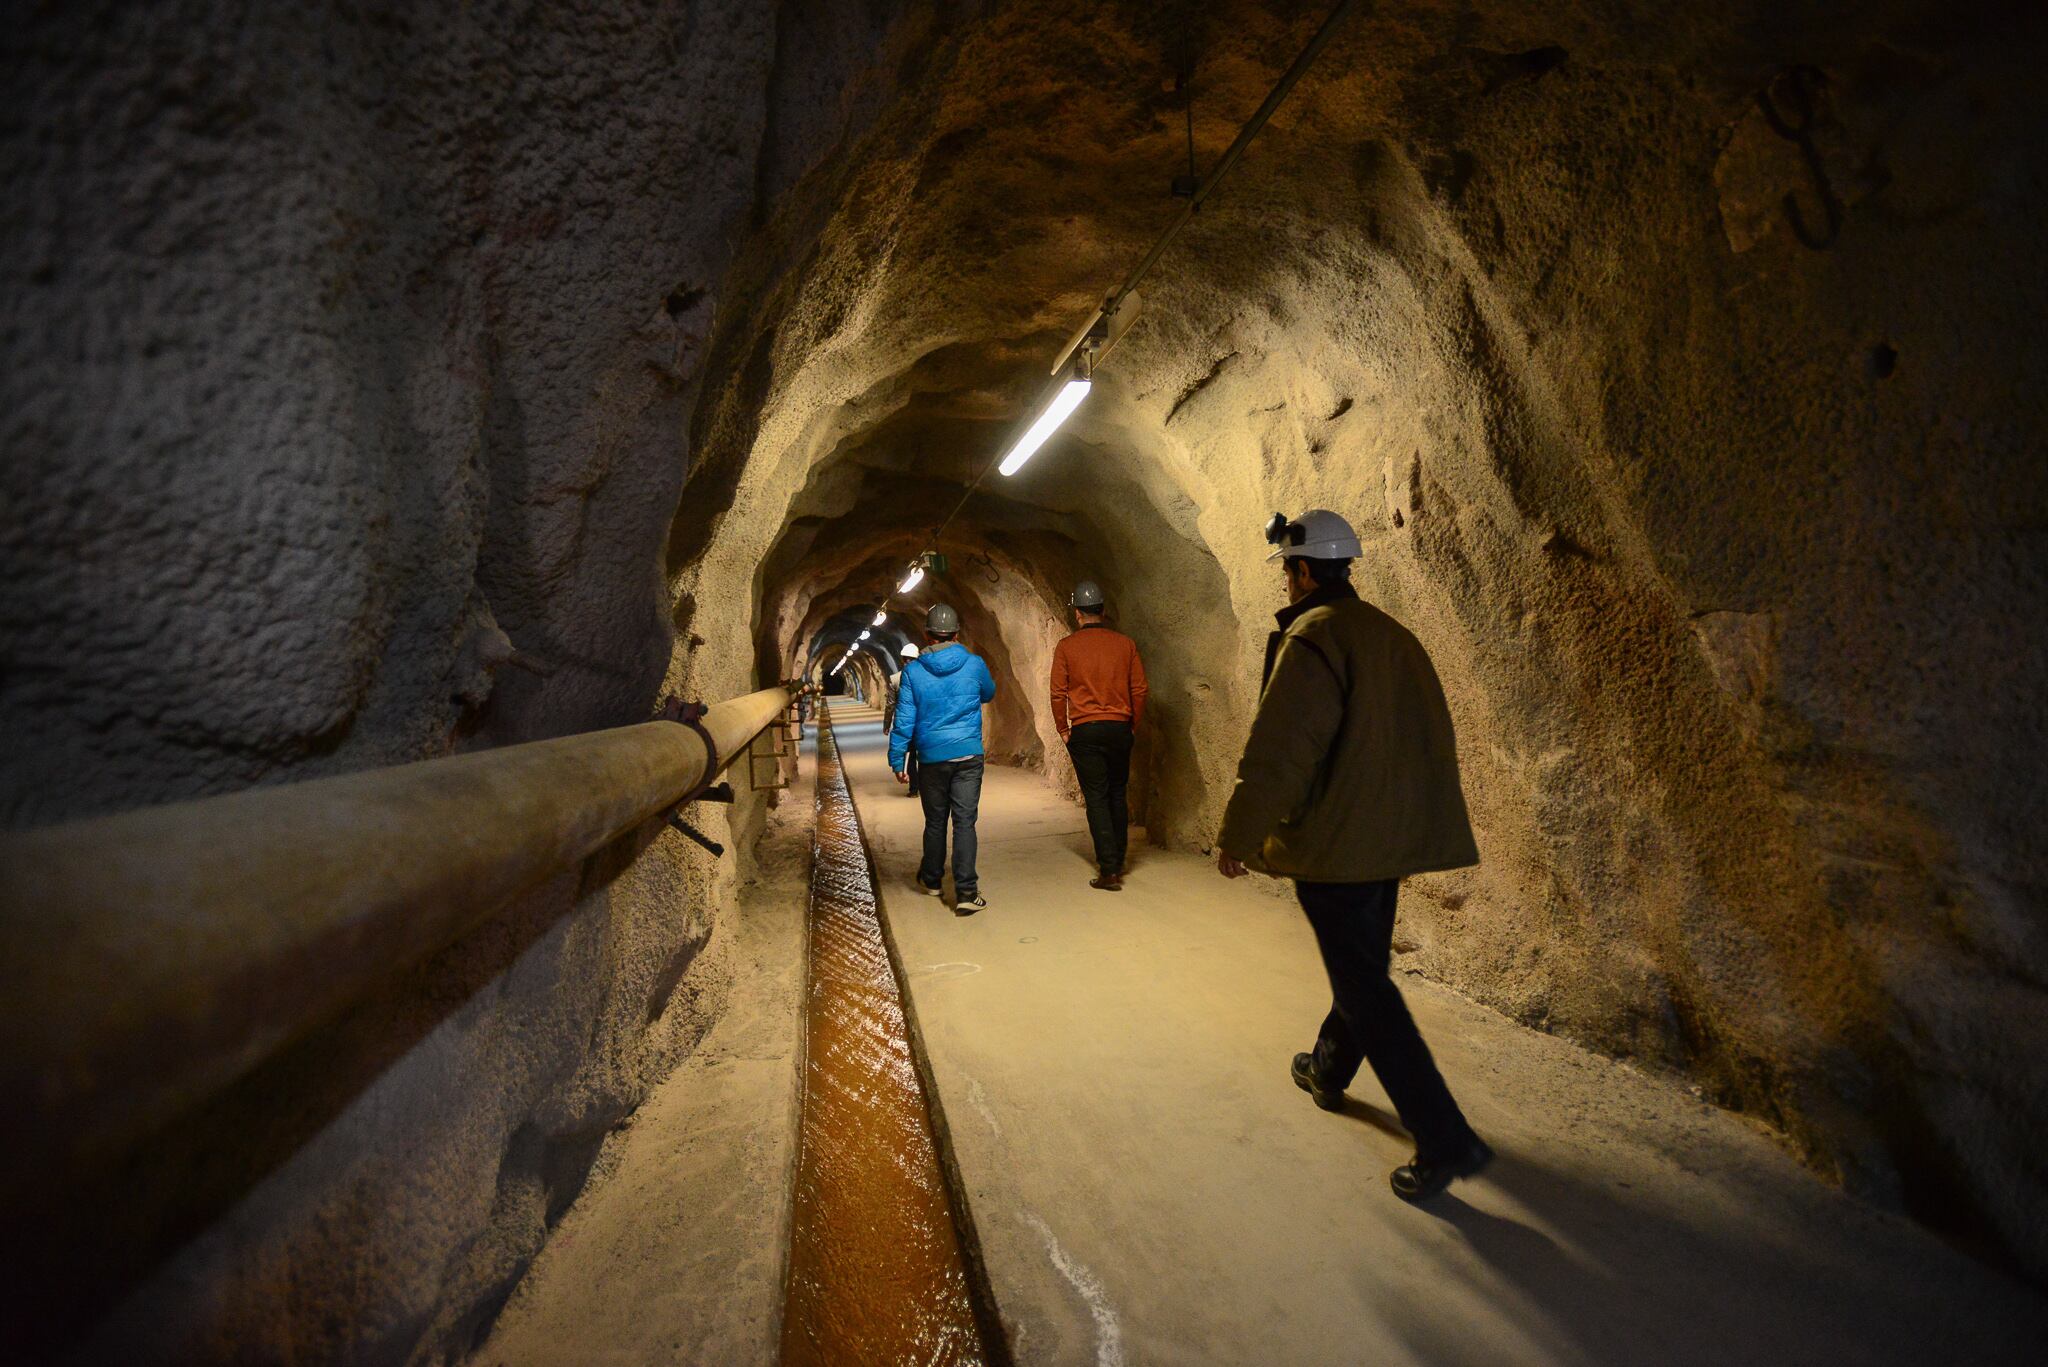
(679, 326)
(1514, 288)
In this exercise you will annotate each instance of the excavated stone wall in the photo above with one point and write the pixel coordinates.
(360, 360)
(1726, 543)
(350, 359)
(1005, 618)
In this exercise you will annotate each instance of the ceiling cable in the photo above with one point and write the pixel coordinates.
(1096, 329)
(1229, 159)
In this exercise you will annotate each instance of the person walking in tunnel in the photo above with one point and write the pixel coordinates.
(1098, 697)
(1349, 783)
(906, 655)
(938, 715)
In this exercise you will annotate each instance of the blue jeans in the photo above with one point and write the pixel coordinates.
(950, 788)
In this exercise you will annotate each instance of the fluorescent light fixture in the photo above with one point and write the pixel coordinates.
(911, 580)
(1062, 406)
(880, 618)
(865, 634)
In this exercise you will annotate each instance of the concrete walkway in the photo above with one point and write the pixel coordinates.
(1149, 1186)
(675, 1250)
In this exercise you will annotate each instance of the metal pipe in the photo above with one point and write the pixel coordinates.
(149, 959)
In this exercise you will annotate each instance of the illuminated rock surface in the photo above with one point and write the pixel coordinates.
(1148, 1185)
(350, 351)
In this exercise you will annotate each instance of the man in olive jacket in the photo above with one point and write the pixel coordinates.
(1349, 783)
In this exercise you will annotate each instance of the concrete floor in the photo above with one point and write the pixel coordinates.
(1147, 1184)
(674, 1251)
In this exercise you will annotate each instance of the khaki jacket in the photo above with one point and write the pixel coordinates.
(1351, 772)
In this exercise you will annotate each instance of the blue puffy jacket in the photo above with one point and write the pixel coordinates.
(938, 706)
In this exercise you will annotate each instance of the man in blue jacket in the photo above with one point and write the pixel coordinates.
(938, 714)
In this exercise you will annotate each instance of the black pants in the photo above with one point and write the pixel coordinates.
(951, 790)
(1368, 1021)
(1101, 752)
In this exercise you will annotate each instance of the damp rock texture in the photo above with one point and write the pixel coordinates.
(1682, 377)
(349, 357)
(387, 379)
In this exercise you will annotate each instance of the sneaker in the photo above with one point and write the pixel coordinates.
(1421, 1178)
(967, 906)
(1304, 1071)
(1108, 882)
(927, 889)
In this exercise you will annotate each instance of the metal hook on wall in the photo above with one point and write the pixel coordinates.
(987, 566)
(1794, 123)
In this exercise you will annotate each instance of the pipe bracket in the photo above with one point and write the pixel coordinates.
(691, 714)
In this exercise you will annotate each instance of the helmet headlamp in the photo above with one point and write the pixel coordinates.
(1280, 531)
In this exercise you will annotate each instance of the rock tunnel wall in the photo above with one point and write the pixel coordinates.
(1726, 543)
(352, 353)
(350, 359)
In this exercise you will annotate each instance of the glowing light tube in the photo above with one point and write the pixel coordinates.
(1063, 404)
(865, 634)
(880, 618)
(911, 580)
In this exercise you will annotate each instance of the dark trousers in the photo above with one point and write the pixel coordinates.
(1368, 1021)
(1101, 751)
(950, 789)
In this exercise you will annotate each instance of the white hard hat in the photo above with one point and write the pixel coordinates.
(1317, 534)
(909, 651)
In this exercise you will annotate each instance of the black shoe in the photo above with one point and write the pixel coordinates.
(928, 889)
(1305, 1078)
(967, 906)
(1421, 1178)
(1108, 882)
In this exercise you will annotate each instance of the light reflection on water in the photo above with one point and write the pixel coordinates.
(876, 1270)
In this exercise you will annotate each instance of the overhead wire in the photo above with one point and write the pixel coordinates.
(1302, 62)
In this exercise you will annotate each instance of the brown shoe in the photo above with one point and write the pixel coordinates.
(1108, 882)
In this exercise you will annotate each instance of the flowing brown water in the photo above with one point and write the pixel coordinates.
(877, 1269)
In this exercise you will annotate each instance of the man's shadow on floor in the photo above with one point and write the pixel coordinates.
(1367, 1114)
(1082, 847)
(1624, 1282)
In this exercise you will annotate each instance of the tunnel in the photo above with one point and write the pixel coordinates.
(397, 391)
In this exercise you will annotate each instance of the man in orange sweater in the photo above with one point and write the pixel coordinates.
(1098, 696)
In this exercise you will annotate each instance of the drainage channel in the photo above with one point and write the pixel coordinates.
(879, 1268)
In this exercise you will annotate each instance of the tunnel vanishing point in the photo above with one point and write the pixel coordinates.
(395, 383)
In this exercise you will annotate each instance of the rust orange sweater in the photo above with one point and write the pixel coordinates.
(1096, 676)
